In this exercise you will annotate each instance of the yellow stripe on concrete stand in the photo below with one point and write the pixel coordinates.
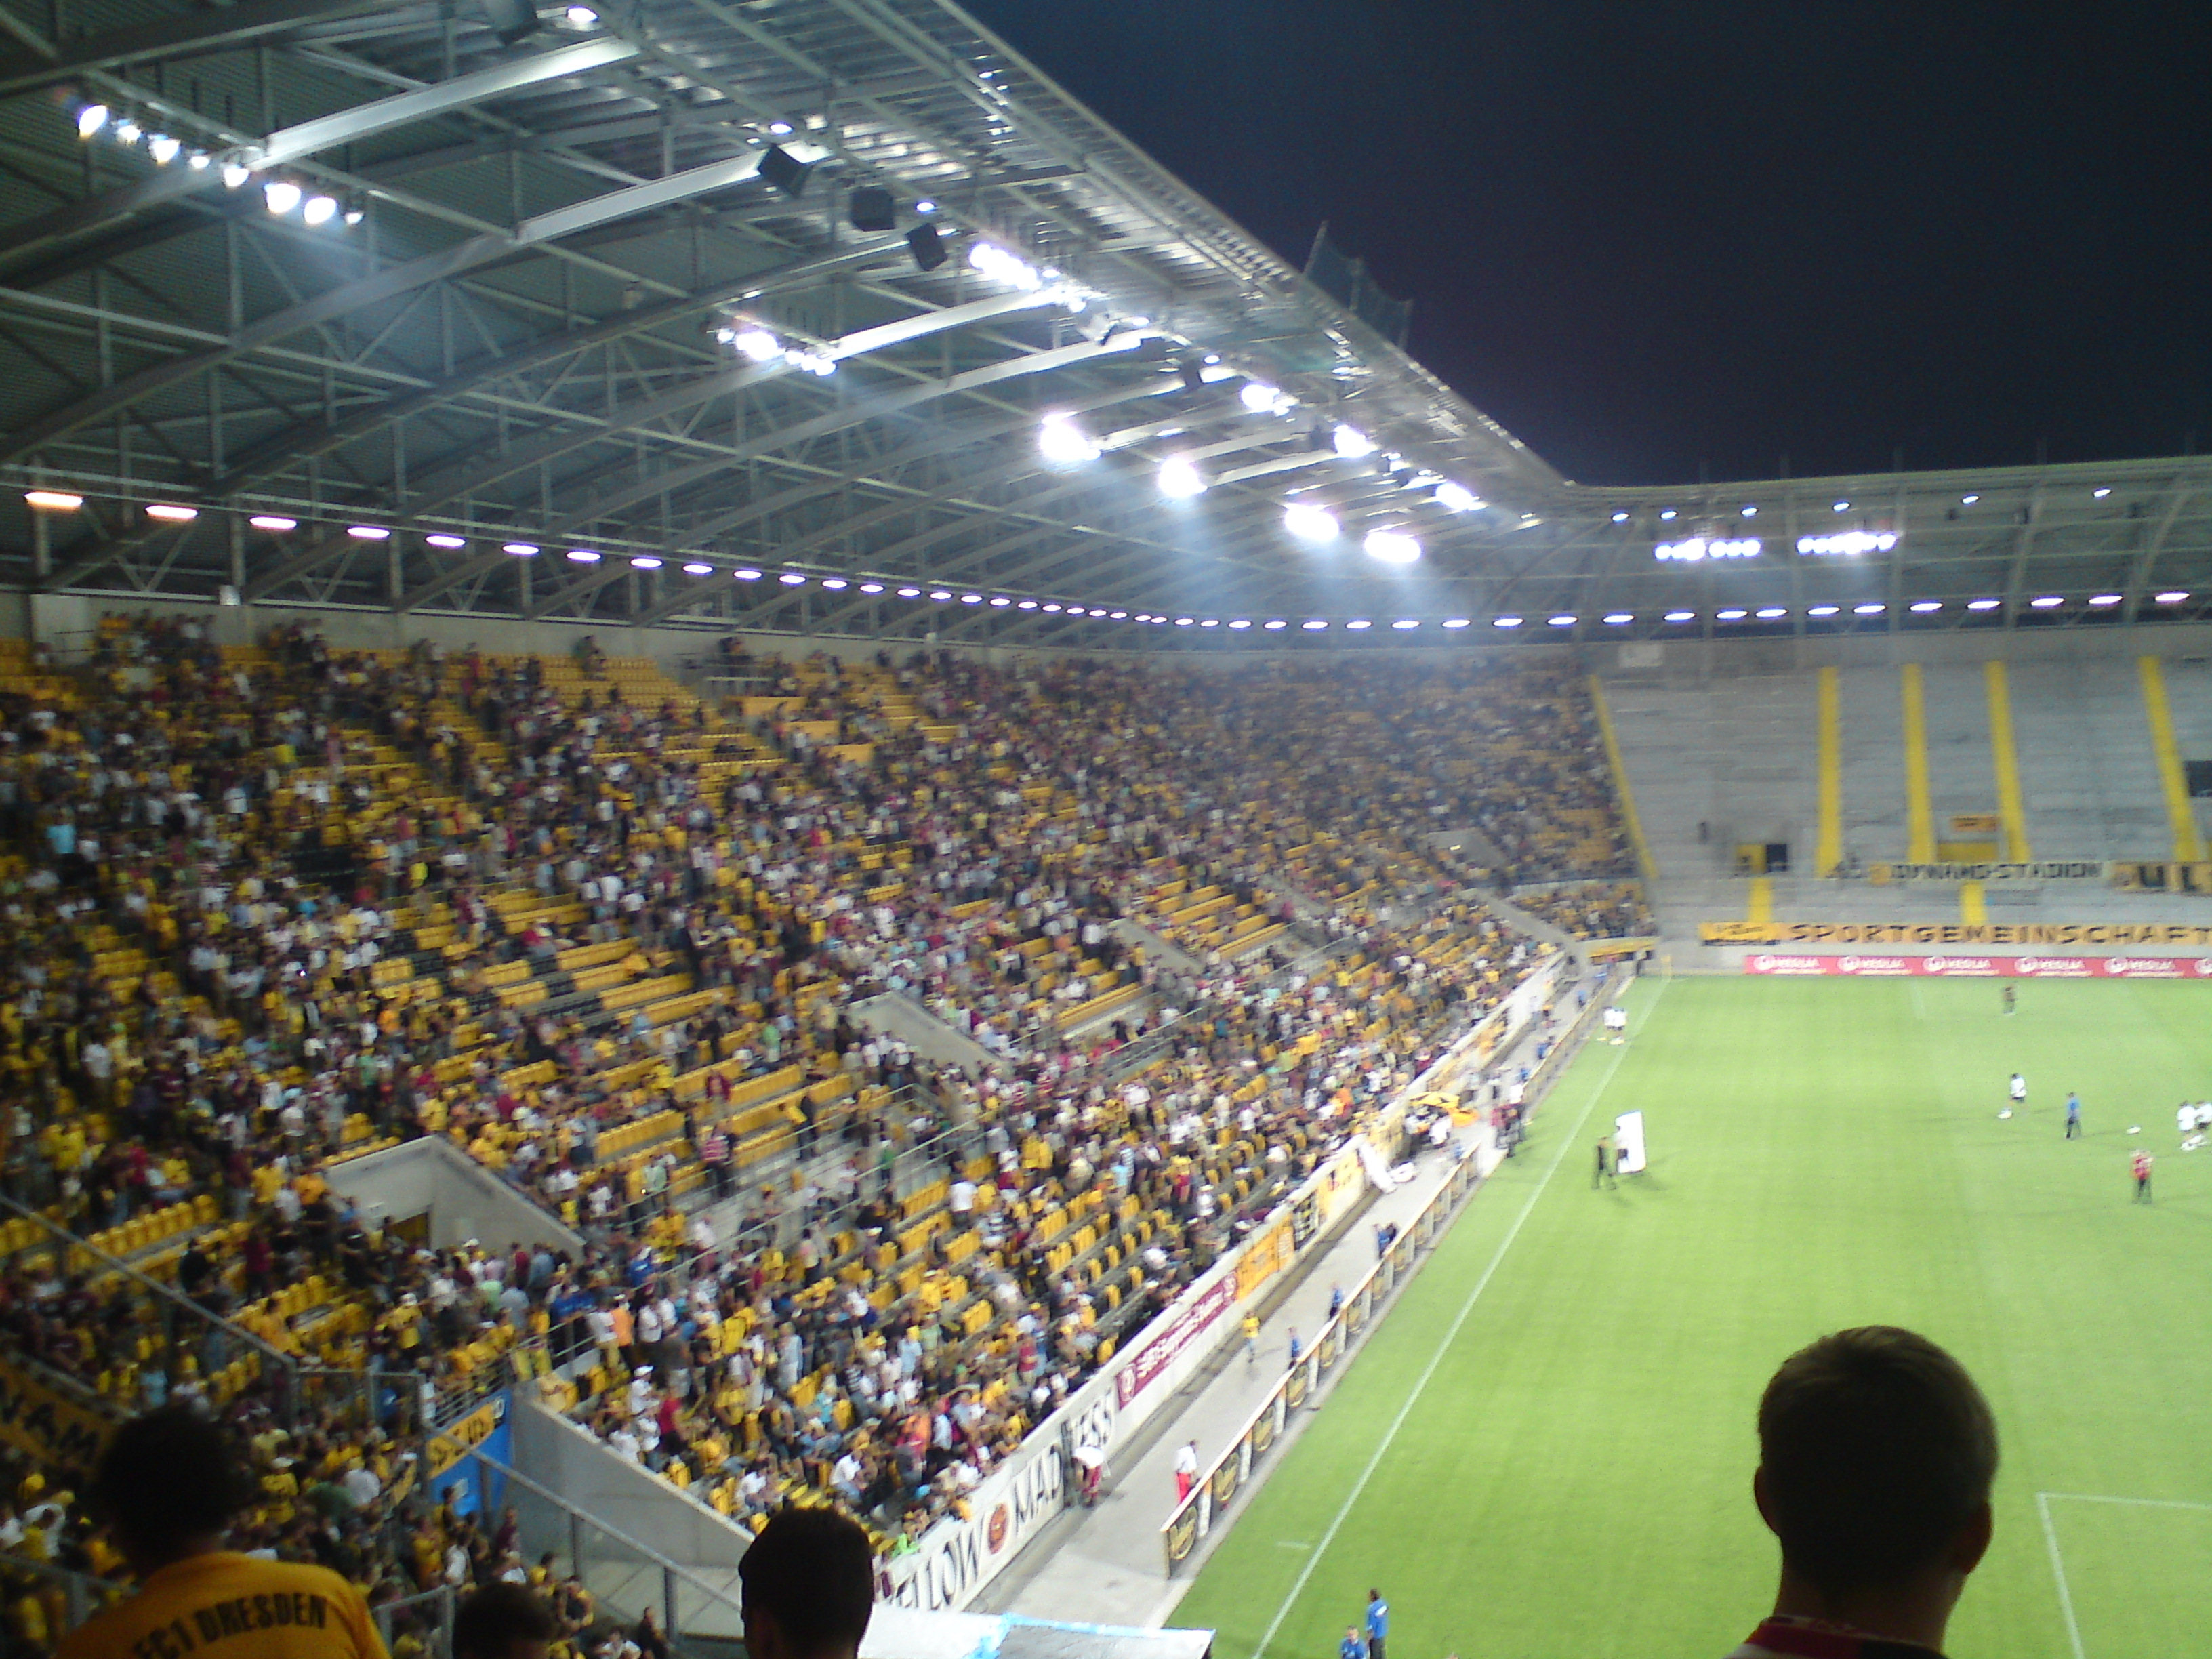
(2012, 812)
(1919, 807)
(1972, 908)
(2188, 845)
(1828, 850)
(1633, 824)
(1761, 908)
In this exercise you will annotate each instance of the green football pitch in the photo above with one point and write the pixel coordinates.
(1547, 1449)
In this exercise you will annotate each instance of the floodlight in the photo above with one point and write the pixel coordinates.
(1351, 442)
(171, 514)
(1391, 547)
(1059, 439)
(1457, 497)
(1309, 523)
(1179, 479)
(91, 119)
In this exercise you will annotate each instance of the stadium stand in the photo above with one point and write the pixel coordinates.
(281, 906)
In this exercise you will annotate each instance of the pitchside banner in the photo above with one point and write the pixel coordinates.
(1865, 967)
(2066, 936)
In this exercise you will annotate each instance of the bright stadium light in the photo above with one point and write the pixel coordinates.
(1823, 609)
(1258, 397)
(1615, 619)
(370, 532)
(1314, 625)
(698, 569)
(1681, 616)
(1849, 543)
(163, 149)
(1179, 478)
(1770, 612)
(1621, 517)
(451, 543)
(1391, 547)
(2104, 598)
(1457, 497)
(1351, 442)
(1275, 622)
(1869, 610)
(91, 119)
(1562, 621)
(1457, 622)
(582, 556)
(1925, 607)
(2174, 598)
(644, 561)
(171, 513)
(1984, 605)
(521, 550)
(320, 210)
(1733, 613)
(2046, 601)
(52, 500)
(1506, 622)
(1309, 523)
(1059, 439)
(281, 196)
(756, 344)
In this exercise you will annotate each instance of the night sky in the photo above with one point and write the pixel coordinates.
(1663, 240)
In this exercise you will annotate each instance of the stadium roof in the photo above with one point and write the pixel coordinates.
(376, 293)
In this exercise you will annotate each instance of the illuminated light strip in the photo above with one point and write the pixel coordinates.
(1696, 549)
(1848, 542)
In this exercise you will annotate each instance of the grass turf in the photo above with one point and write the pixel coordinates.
(1574, 1478)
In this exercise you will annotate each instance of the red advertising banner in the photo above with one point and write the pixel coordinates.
(1156, 1355)
(1874, 967)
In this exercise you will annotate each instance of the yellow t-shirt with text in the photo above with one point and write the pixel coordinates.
(236, 1606)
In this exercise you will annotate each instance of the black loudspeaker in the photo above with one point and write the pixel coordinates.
(926, 246)
(871, 209)
(511, 19)
(785, 171)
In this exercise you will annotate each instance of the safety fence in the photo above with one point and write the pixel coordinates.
(1336, 1341)
(1248, 1452)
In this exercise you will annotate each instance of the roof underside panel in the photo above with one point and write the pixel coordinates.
(598, 286)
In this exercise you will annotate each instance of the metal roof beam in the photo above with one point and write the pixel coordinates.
(387, 284)
(192, 35)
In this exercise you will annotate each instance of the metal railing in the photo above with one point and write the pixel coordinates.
(1195, 1518)
(614, 1566)
(1193, 1521)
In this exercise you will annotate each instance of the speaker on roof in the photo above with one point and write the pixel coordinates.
(511, 19)
(870, 209)
(784, 170)
(926, 246)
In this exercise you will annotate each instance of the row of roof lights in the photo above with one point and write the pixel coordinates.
(1750, 509)
(1389, 546)
(280, 196)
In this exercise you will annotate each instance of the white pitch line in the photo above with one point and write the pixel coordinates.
(2058, 1572)
(1566, 1144)
(2139, 1502)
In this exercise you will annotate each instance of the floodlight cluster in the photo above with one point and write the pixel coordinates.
(281, 195)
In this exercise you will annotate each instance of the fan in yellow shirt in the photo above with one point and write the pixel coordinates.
(168, 1485)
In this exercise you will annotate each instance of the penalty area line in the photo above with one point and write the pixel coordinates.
(1443, 1346)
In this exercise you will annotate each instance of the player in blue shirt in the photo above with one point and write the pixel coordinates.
(1378, 1623)
(1350, 1647)
(2072, 1118)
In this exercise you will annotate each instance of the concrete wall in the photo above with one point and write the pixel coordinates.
(574, 1462)
(464, 1199)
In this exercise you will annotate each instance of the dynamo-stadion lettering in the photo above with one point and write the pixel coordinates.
(2034, 870)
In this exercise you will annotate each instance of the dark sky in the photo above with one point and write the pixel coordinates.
(1654, 238)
